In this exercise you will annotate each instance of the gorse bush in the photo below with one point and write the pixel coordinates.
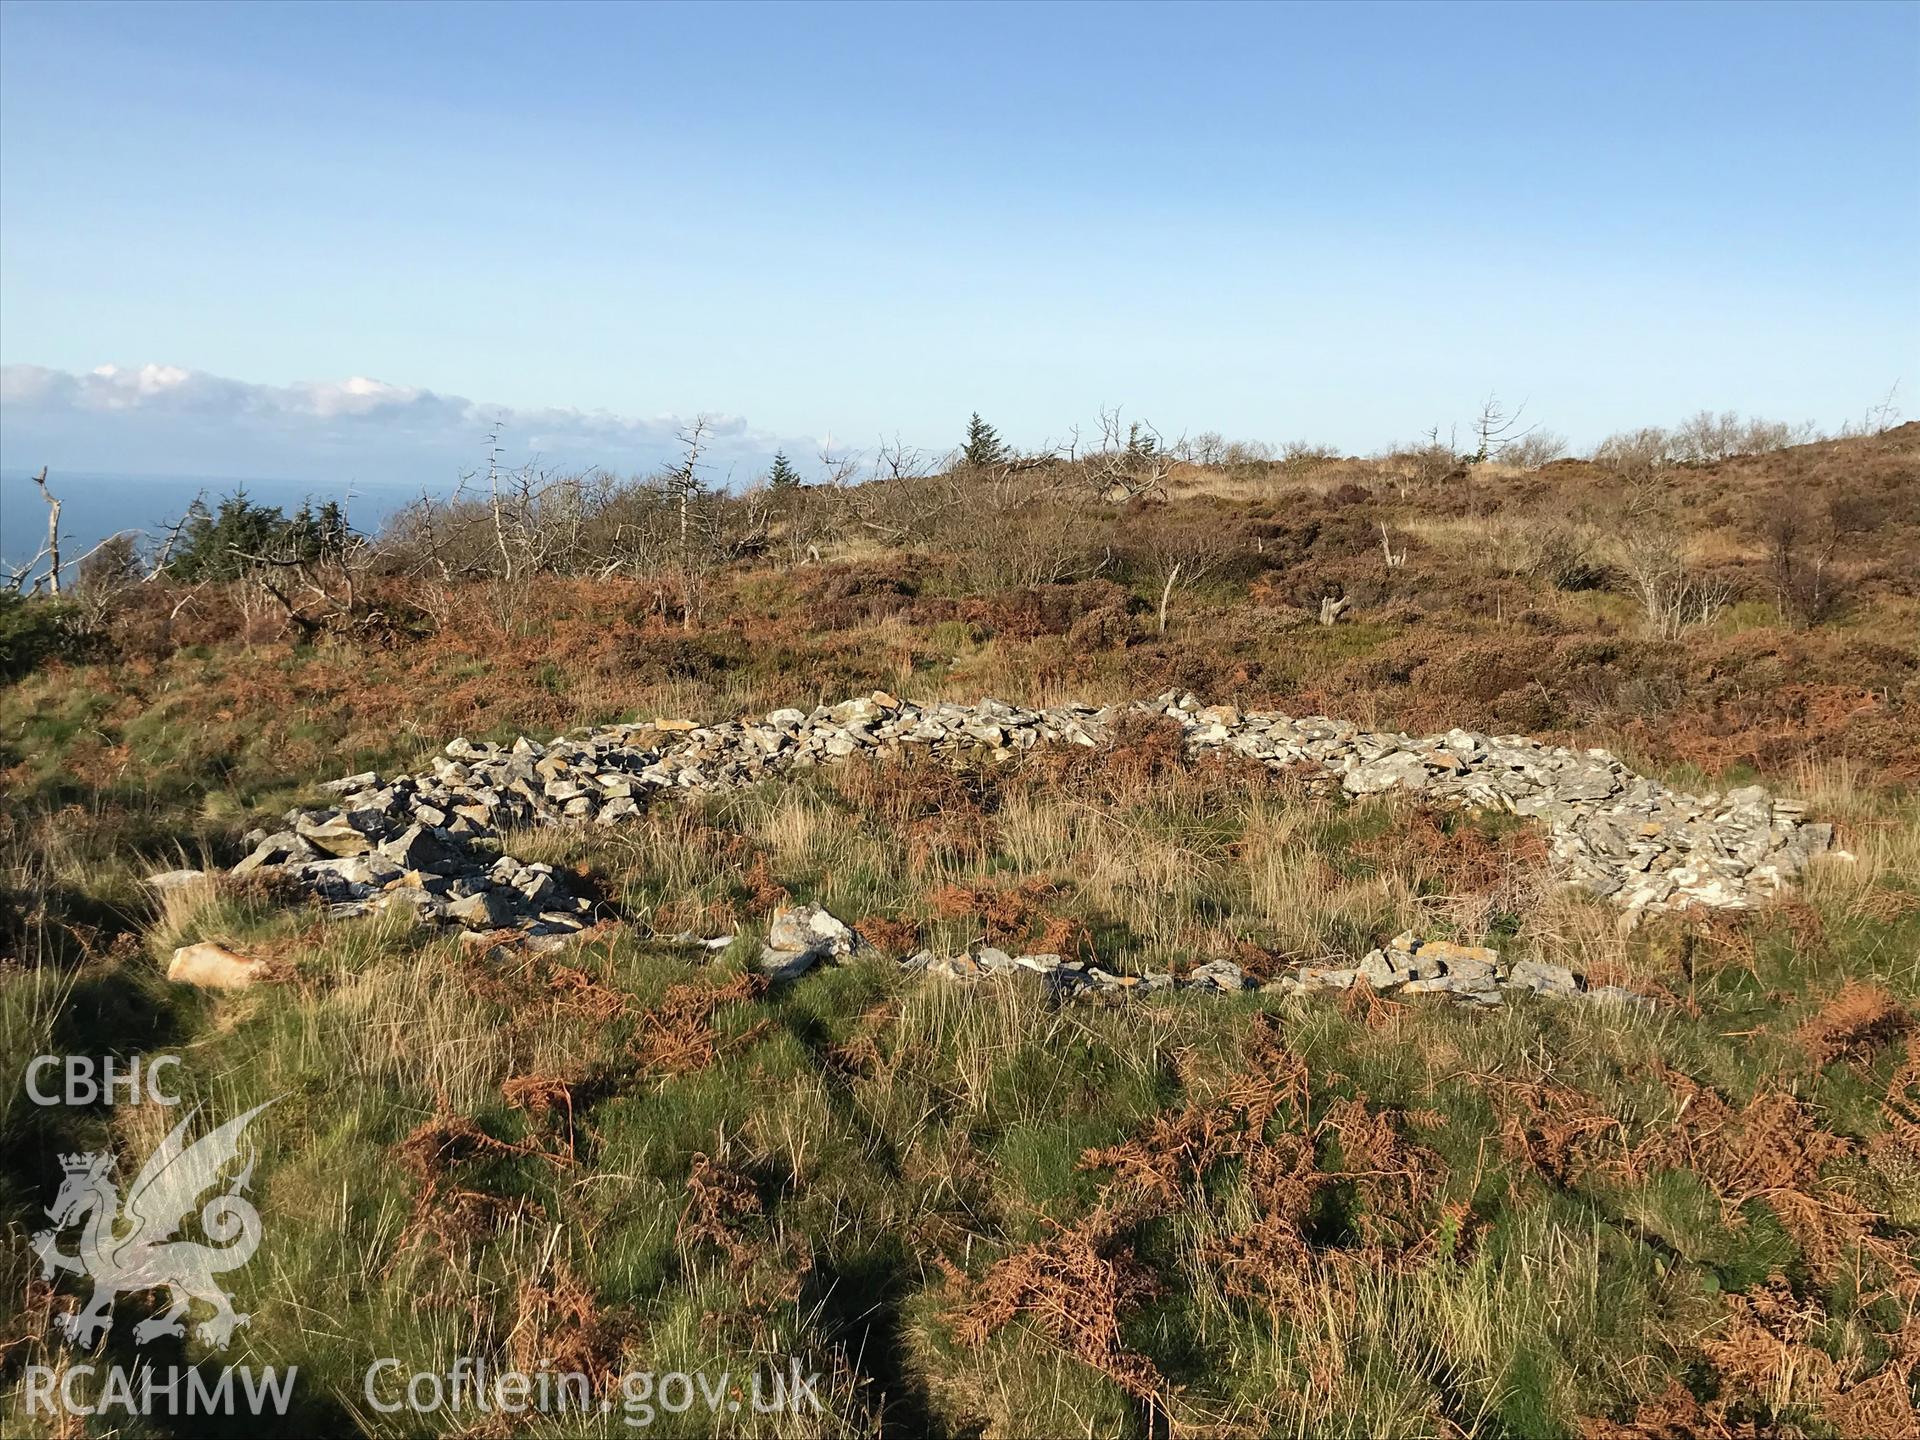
(35, 631)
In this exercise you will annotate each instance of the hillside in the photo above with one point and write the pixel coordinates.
(1412, 947)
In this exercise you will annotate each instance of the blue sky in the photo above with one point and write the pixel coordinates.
(1342, 224)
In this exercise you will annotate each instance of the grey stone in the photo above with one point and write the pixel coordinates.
(1397, 770)
(954, 967)
(423, 903)
(337, 836)
(777, 964)
(214, 967)
(415, 848)
(1384, 971)
(691, 941)
(1621, 836)
(1218, 974)
(1474, 990)
(810, 927)
(276, 849)
(484, 910)
(537, 888)
(1542, 978)
(1592, 782)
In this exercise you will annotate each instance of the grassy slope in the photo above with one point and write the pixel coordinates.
(1511, 1224)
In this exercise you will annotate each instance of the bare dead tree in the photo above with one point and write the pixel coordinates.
(187, 601)
(48, 551)
(1132, 461)
(103, 576)
(1208, 448)
(1426, 462)
(683, 481)
(1673, 596)
(442, 537)
(1027, 521)
(1181, 556)
(687, 493)
(903, 496)
(1121, 476)
(1804, 535)
(1884, 413)
(493, 489)
(164, 555)
(53, 532)
(1496, 428)
(318, 588)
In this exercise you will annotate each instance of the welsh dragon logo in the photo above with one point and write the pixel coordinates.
(131, 1246)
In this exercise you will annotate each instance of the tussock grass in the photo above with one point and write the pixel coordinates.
(1533, 1222)
(889, 1134)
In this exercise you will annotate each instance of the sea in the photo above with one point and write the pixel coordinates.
(96, 504)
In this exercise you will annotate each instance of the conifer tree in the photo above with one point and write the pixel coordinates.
(984, 446)
(217, 545)
(334, 530)
(782, 476)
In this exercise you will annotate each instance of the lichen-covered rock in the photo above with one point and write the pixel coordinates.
(1542, 978)
(810, 927)
(1218, 975)
(802, 936)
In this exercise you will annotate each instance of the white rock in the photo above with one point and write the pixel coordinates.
(214, 967)
(810, 927)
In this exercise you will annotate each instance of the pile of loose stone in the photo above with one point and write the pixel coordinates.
(803, 936)
(1472, 975)
(411, 841)
(1469, 974)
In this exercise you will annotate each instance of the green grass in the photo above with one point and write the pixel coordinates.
(896, 1132)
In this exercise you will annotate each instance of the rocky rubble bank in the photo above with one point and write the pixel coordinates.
(425, 841)
(1471, 975)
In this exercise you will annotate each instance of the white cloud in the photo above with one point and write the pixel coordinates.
(167, 419)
